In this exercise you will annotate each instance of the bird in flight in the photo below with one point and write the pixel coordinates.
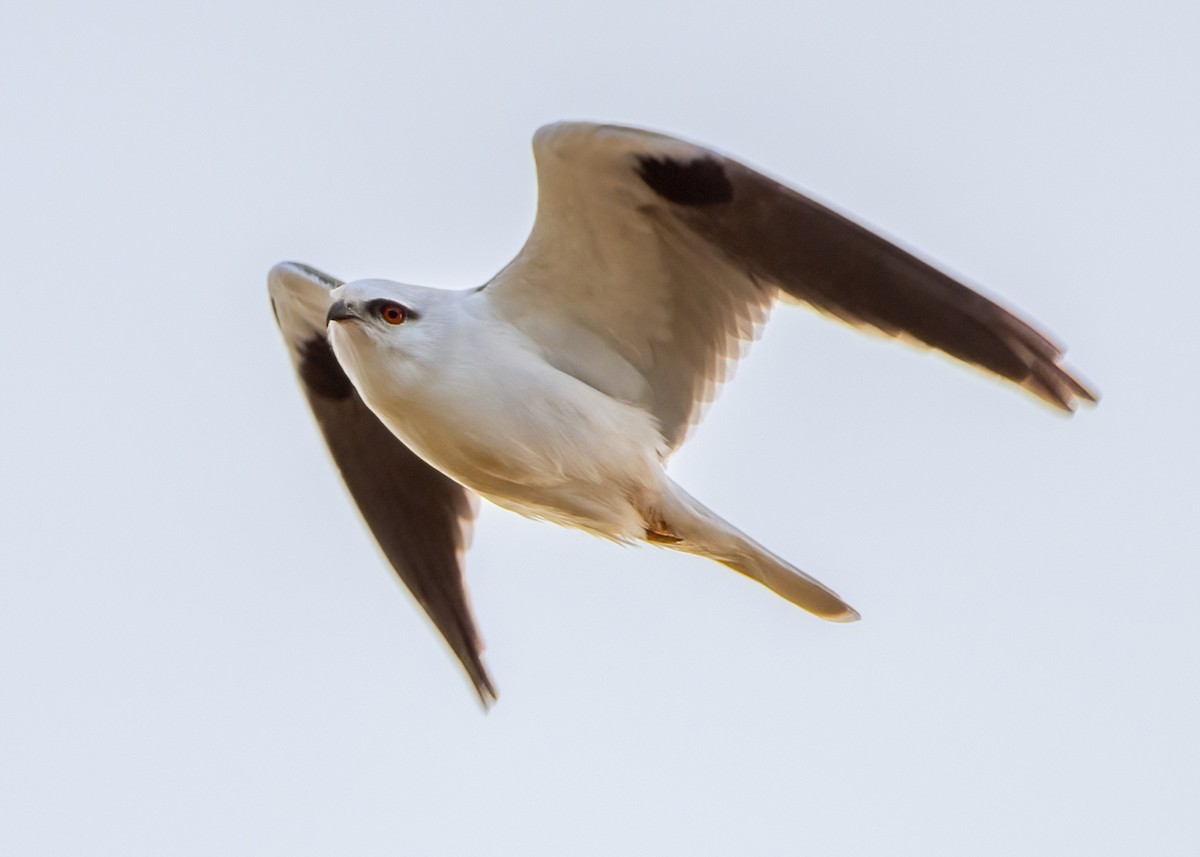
(559, 389)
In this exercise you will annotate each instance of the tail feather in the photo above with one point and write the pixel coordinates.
(789, 582)
(697, 530)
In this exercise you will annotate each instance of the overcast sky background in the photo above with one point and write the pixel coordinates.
(201, 651)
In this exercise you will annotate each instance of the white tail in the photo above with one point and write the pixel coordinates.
(692, 528)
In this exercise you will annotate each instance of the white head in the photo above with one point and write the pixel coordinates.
(384, 331)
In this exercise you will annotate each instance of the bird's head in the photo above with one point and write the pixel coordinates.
(375, 324)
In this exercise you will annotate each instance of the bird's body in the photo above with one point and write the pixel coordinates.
(560, 388)
(479, 402)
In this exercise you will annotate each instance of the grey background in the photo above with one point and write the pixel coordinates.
(201, 651)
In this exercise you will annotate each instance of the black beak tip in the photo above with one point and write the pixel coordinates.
(338, 311)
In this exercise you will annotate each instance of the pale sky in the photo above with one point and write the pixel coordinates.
(201, 650)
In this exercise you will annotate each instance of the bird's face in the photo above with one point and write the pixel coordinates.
(382, 329)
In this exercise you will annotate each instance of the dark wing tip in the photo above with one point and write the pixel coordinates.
(1088, 396)
(488, 696)
(1052, 382)
(701, 181)
(1036, 357)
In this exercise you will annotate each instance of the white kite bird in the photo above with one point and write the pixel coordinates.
(559, 389)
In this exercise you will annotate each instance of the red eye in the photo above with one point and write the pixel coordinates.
(392, 313)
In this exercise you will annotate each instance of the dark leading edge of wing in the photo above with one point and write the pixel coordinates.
(419, 517)
(822, 258)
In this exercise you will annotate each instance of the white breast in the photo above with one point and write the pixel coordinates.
(487, 410)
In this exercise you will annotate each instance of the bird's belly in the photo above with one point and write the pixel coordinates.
(554, 449)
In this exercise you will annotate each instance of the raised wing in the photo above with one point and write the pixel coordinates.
(653, 260)
(421, 518)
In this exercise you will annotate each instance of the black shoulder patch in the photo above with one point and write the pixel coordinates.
(321, 372)
(699, 182)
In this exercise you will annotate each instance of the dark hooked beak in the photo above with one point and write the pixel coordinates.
(339, 311)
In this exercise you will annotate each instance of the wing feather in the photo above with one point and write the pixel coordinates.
(652, 261)
(827, 260)
(420, 518)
